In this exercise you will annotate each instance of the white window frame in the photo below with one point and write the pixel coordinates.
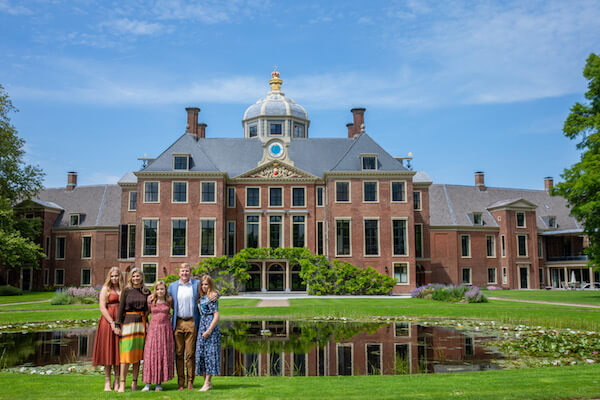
(349, 219)
(349, 191)
(550, 218)
(187, 156)
(246, 228)
(526, 245)
(461, 240)
(144, 272)
(187, 192)
(398, 283)
(246, 197)
(392, 192)
(317, 236)
(158, 193)
(305, 205)
(420, 193)
(322, 189)
(292, 228)
(276, 122)
(337, 361)
(173, 219)
(406, 234)
(81, 277)
(462, 269)
(282, 196)
(129, 201)
(408, 355)
(493, 237)
(82, 247)
(230, 189)
(422, 242)
(495, 281)
(504, 275)
(378, 219)
(63, 274)
(142, 244)
(376, 192)
(480, 218)
(129, 241)
(78, 215)
(367, 358)
(216, 192)
(524, 219)
(281, 232)
(214, 254)
(362, 161)
(503, 245)
(228, 250)
(56, 257)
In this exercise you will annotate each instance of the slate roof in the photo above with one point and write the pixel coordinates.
(100, 205)
(236, 156)
(452, 204)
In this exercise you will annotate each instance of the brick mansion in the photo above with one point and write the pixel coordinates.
(346, 198)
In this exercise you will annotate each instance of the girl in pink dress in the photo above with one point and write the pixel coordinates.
(159, 351)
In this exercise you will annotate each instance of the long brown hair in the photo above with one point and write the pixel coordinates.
(108, 284)
(211, 287)
(168, 298)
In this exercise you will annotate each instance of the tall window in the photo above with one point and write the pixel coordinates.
(371, 237)
(466, 276)
(180, 163)
(149, 271)
(370, 191)
(231, 238)
(374, 366)
(60, 248)
(503, 245)
(151, 192)
(298, 130)
(132, 201)
(47, 248)
(491, 272)
(275, 128)
(504, 275)
(179, 235)
(252, 232)
(86, 277)
(520, 220)
(401, 272)
(320, 196)
(252, 197)
(522, 245)
(275, 231)
(342, 237)
(179, 192)
(252, 131)
(398, 191)
(540, 249)
(298, 230)
(275, 197)
(231, 197)
(490, 246)
(131, 241)
(320, 235)
(465, 246)
(399, 241)
(208, 192)
(298, 197)
(417, 200)
(150, 237)
(86, 247)
(342, 192)
(418, 240)
(59, 277)
(207, 237)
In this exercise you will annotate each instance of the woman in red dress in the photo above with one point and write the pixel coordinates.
(106, 346)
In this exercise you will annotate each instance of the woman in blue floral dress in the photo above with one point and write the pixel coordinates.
(208, 344)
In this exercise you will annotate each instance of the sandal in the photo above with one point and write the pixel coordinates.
(122, 386)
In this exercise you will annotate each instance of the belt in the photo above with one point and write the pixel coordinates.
(143, 314)
(185, 318)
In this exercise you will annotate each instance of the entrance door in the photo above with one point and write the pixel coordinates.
(26, 279)
(524, 277)
(275, 276)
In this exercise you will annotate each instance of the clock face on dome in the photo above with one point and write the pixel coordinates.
(276, 149)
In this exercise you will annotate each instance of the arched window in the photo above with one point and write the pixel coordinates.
(276, 275)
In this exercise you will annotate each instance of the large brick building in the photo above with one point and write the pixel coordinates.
(346, 198)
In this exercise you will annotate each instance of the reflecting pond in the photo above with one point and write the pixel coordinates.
(294, 348)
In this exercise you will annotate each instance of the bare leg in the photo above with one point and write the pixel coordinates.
(107, 382)
(207, 383)
(124, 369)
(117, 374)
(134, 376)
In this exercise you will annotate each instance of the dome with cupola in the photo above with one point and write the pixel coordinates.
(275, 115)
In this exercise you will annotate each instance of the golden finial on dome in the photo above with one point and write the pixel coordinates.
(275, 82)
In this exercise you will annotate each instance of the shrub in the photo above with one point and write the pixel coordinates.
(474, 295)
(449, 293)
(7, 290)
(61, 298)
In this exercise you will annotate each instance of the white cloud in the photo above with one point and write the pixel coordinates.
(134, 27)
(12, 9)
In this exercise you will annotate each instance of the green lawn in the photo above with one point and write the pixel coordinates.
(540, 383)
(27, 296)
(560, 296)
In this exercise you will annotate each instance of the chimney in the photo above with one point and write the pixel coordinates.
(359, 120)
(202, 130)
(480, 180)
(350, 127)
(548, 183)
(192, 120)
(71, 180)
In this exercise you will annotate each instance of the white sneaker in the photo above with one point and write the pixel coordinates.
(146, 388)
(158, 388)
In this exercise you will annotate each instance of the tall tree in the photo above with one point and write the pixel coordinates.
(18, 181)
(581, 185)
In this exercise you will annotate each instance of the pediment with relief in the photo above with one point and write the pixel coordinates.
(276, 170)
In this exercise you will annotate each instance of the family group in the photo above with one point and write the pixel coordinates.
(191, 335)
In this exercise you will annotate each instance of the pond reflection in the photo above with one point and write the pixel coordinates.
(294, 348)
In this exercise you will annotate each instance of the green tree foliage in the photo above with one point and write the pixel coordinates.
(18, 181)
(581, 186)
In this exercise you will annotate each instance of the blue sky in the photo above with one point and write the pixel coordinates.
(463, 85)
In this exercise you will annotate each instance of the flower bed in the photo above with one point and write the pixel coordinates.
(451, 293)
(75, 295)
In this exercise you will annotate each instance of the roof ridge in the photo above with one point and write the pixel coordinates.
(101, 205)
(167, 149)
(450, 206)
(346, 152)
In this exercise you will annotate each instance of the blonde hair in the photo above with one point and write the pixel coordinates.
(133, 270)
(168, 298)
(211, 287)
(108, 284)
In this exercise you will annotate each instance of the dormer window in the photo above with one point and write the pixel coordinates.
(74, 220)
(298, 130)
(477, 219)
(253, 131)
(369, 161)
(181, 162)
(551, 222)
(276, 128)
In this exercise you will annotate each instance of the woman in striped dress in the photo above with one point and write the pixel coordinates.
(131, 326)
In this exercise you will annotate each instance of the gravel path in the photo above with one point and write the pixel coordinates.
(546, 302)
